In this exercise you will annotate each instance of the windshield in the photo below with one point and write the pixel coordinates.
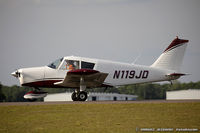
(55, 64)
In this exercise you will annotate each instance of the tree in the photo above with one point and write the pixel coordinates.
(2, 96)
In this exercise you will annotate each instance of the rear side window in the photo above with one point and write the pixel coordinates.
(87, 65)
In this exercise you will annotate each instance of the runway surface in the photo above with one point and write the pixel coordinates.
(96, 102)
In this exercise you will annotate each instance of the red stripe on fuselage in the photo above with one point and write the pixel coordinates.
(43, 83)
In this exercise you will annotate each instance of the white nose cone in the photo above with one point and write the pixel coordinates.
(14, 74)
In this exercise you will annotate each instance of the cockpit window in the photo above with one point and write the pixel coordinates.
(55, 64)
(70, 65)
(87, 65)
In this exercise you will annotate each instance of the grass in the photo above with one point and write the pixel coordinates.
(98, 118)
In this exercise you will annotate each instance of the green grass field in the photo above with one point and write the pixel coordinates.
(98, 118)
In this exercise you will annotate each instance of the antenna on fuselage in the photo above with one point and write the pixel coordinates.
(139, 55)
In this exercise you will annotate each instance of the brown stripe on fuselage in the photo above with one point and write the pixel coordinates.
(43, 83)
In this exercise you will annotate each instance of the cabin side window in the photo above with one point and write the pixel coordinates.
(70, 65)
(87, 65)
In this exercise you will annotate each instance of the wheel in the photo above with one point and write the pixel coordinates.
(82, 96)
(74, 96)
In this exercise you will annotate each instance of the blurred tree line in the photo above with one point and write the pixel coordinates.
(143, 91)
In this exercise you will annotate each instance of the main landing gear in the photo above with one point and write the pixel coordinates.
(79, 94)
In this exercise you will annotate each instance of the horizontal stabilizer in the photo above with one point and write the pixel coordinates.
(173, 76)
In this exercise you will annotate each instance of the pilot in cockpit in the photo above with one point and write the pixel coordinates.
(70, 65)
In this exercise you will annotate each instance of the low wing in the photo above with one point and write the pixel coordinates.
(92, 78)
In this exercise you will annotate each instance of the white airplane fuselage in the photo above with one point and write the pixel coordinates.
(118, 73)
(79, 72)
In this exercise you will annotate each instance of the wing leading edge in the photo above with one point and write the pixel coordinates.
(92, 78)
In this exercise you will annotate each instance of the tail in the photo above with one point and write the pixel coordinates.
(172, 57)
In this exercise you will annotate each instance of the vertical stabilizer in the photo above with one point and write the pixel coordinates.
(172, 57)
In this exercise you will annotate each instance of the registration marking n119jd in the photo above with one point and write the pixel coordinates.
(130, 74)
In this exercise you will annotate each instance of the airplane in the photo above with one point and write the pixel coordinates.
(81, 73)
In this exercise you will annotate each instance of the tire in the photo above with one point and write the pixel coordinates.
(74, 96)
(82, 96)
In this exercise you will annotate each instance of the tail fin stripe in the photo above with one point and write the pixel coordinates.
(169, 49)
(175, 43)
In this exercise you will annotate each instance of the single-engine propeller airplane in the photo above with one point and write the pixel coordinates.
(81, 73)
